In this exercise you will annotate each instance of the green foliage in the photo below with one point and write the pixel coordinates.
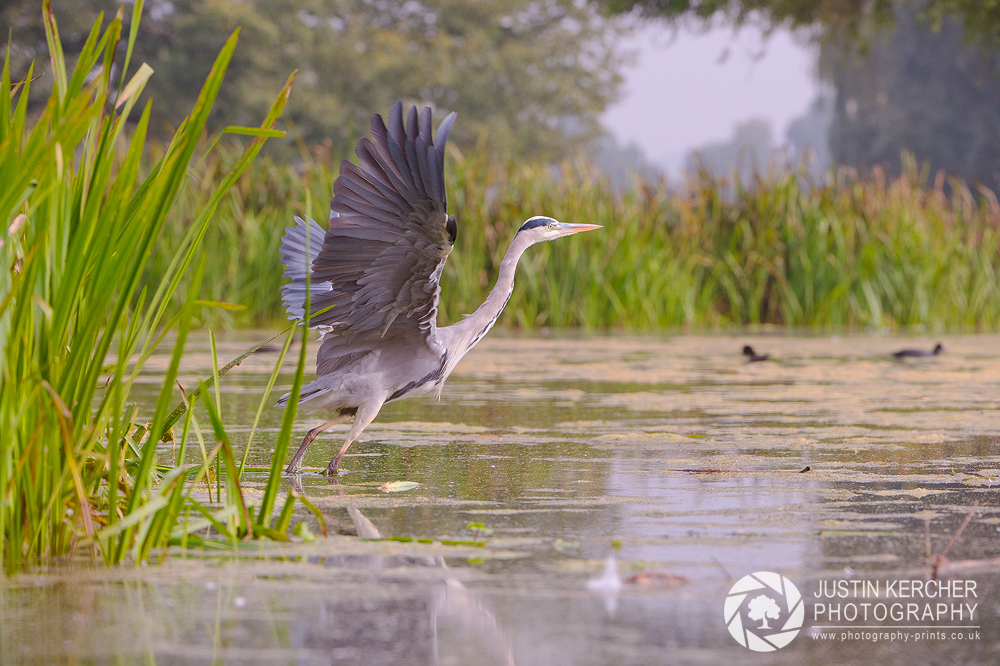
(303, 532)
(839, 19)
(78, 225)
(538, 74)
(980, 18)
(24, 19)
(478, 530)
(835, 17)
(853, 23)
(781, 250)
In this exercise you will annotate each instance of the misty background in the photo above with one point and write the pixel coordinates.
(635, 85)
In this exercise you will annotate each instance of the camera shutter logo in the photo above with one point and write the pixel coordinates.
(764, 611)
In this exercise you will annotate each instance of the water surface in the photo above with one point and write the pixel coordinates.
(673, 455)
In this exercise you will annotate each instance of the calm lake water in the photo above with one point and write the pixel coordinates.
(673, 455)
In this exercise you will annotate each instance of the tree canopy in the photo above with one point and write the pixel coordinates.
(918, 90)
(536, 73)
(851, 19)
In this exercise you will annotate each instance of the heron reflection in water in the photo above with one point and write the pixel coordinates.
(373, 278)
(457, 620)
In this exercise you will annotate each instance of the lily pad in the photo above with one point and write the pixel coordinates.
(398, 486)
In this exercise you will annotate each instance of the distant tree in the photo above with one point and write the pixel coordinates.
(919, 90)
(750, 149)
(536, 74)
(763, 607)
(807, 135)
(623, 164)
(921, 76)
(837, 19)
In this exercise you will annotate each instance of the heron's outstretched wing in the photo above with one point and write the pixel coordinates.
(382, 257)
(299, 248)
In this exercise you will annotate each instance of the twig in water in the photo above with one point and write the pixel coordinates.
(927, 537)
(721, 568)
(939, 560)
(182, 407)
(720, 470)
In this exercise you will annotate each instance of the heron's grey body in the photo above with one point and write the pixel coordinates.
(373, 277)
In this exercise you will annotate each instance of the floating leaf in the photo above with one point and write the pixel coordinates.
(398, 486)
(302, 530)
(479, 528)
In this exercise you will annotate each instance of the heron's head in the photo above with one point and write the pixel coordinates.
(541, 228)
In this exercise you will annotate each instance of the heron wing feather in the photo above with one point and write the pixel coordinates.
(382, 256)
(299, 248)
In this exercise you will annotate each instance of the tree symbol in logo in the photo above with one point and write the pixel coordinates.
(759, 596)
(761, 608)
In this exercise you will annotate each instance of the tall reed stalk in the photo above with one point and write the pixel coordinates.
(80, 226)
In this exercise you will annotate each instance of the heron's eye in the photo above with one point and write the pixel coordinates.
(552, 225)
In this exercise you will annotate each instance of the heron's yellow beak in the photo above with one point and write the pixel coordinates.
(567, 229)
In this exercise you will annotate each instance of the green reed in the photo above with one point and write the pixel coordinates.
(82, 210)
(841, 253)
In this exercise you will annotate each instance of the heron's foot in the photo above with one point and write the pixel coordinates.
(294, 468)
(332, 468)
(296, 482)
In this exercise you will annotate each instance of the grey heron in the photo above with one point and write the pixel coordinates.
(373, 278)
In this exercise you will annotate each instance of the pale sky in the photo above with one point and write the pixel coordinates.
(685, 92)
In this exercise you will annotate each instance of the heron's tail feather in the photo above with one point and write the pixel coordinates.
(309, 391)
(300, 246)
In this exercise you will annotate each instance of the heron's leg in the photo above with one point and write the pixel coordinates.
(296, 465)
(366, 414)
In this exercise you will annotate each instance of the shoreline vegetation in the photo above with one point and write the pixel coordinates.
(111, 244)
(844, 253)
(80, 471)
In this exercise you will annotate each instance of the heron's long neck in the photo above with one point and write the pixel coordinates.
(494, 304)
(471, 330)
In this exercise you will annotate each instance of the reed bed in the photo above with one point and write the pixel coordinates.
(781, 249)
(80, 224)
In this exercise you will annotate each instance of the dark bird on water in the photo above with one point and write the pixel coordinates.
(918, 353)
(752, 356)
(373, 278)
